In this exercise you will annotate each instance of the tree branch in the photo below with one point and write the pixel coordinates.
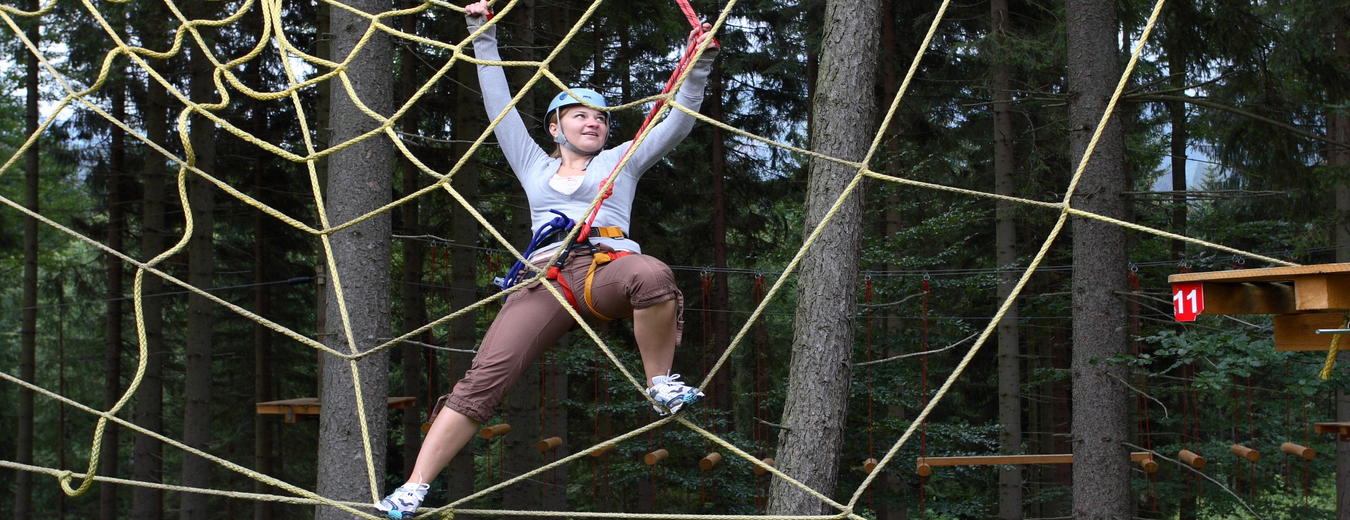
(1140, 392)
(924, 353)
(1234, 110)
(1198, 472)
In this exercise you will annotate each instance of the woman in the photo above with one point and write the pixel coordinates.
(632, 284)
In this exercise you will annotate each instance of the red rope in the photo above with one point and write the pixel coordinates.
(867, 298)
(1307, 476)
(757, 294)
(1145, 421)
(595, 428)
(670, 84)
(923, 395)
(689, 13)
(1187, 423)
(1251, 466)
(871, 424)
(705, 283)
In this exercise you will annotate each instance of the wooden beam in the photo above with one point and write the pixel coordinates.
(1269, 274)
(1299, 331)
(1323, 293)
(496, 430)
(1341, 429)
(1249, 298)
(1011, 460)
(1298, 450)
(291, 408)
(1247, 453)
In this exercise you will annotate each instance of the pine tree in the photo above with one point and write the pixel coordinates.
(358, 182)
(1101, 463)
(818, 380)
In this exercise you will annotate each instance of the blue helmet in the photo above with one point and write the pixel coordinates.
(564, 100)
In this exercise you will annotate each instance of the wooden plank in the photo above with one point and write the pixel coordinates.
(1012, 460)
(301, 401)
(1339, 428)
(290, 407)
(1322, 292)
(1248, 298)
(1298, 332)
(310, 406)
(1268, 274)
(398, 403)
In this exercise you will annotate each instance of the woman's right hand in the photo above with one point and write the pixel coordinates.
(479, 9)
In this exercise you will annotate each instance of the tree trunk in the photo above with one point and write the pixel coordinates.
(1176, 67)
(818, 378)
(892, 225)
(112, 332)
(201, 319)
(61, 432)
(523, 410)
(264, 181)
(468, 124)
(1005, 252)
(720, 390)
(358, 182)
(23, 480)
(323, 48)
(1339, 157)
(262, 345)
(414, 258)
(555, 482)
(1101, 486)
(148, 466)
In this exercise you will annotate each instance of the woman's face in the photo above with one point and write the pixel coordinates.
(587, 129)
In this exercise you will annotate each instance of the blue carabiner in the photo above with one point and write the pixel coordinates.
(548, 233)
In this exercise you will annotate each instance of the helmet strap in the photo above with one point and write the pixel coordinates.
(561, 139)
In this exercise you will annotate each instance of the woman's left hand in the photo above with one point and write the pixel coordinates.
(698, 36)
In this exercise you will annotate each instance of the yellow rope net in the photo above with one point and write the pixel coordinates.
(274, 38)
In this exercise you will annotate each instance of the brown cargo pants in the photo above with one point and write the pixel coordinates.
(532, 320)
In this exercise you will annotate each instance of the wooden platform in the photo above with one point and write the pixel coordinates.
(291, 408)
(1341, 429)
(1303, 299)
(924, 464)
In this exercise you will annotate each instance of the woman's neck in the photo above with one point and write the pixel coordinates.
(575, 161)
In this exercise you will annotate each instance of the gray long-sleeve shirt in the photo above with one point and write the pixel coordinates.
(533, 166)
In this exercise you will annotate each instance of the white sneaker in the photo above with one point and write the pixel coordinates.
(671, 394)
(403, 502)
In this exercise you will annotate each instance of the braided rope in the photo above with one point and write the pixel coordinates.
(1335, 348)
(274, 31)
(1031, 268)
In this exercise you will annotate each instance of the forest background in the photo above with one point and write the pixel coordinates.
(1233, 129)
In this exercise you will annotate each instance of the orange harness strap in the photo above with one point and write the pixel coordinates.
(598, 259)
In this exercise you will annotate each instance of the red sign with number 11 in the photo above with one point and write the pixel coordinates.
(1188, 300)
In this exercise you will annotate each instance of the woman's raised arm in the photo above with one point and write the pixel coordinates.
(513, 136)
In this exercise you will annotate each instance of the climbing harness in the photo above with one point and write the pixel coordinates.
(550, 232)
(553, 231)
(598, 258)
